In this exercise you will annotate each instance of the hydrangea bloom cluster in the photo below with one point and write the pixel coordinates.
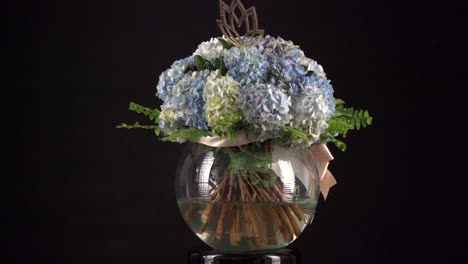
(310, 113)
(221, 95)
(266, 109)
(210, 50)
(172, 76)
(185, 103)
(246, 65)
(272, 86)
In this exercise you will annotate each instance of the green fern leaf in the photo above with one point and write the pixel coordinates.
(153, 114)
(339, 144)
(296, 134)
(137, 125)
(343, 120)
(228, 126)
(187, 134)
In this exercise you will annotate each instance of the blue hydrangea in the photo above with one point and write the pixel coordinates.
(310, 114)
(288, 68)
(246, 65)
(266, 109)
(275, 48)
(289, 75)
(172, 76)
(324, 85)
(313, 66)
(185, 103)
(272, 85)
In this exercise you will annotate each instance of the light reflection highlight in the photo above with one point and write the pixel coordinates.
(204, 174)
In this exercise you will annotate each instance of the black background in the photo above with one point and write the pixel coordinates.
(85, 192)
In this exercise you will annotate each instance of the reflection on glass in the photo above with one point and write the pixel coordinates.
(204, 174)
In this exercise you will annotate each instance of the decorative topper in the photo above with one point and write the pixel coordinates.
(235, 16)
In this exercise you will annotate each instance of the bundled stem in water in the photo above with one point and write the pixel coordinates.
(237, 195)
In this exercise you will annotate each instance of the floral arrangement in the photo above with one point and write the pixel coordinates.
(250, 96)
(270, 91)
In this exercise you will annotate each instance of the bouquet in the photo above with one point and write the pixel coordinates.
(246, 95)
(271, 92)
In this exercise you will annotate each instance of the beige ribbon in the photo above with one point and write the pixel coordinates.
(323, 157)
(321, 154)
(240, 138)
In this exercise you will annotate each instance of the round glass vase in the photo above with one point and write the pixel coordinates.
(254, 197)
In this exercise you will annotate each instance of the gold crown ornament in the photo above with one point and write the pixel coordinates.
(236, 17)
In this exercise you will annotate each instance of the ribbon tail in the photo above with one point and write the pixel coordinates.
(323, 157)
(327, 182)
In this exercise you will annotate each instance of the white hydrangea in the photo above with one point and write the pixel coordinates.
(221, 93)
(210, 50)
(312, 66)
(310, 113)
(168, 121)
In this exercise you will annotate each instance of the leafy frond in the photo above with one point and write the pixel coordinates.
(338, 126)
(357, 118)
(296, 134)
(153, 114)
(187, 134)
(343, 120)
(137, 125)
(252, 162)
(227, 127)
(339, 102)
(217, 64)
(339, 144)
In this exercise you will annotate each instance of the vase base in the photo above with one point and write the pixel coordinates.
(206, 255)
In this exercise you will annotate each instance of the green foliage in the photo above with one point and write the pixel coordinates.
(296, 134)
(252, 162)
(200, 62)
(218, 64)
(343, 120)
(153, 114)
(226, 43)
(292, 134)
(339, 144)
(227, 127)
(357, 118)
(270, 183)
(297, 191)
(338, 126)
(256, 146)
(137, 125)
(309, 73)
(339, 102)
(187, 134)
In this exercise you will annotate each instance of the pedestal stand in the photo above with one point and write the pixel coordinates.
(205, 255)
